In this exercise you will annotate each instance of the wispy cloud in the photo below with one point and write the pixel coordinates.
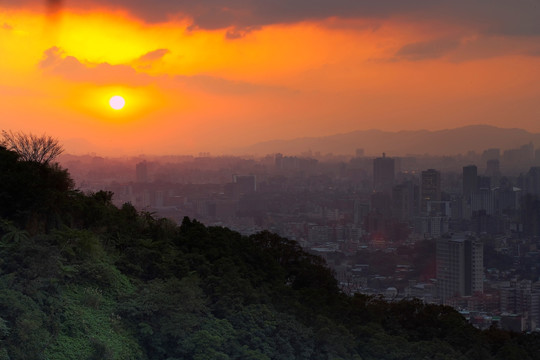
(146, 61)
(56, 62)
(426, 50)
(217, 85)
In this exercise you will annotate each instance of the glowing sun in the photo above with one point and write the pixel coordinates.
(117, 102)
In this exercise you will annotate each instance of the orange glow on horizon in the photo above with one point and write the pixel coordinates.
(198, 89)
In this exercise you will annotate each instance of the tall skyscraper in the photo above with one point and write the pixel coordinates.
(460, 267)
(470, 187)
(430, 188)
(470, 180)
(383, 174)
(532, 180)
(403, 201)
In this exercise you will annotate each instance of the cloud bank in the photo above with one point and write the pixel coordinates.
(494, 17)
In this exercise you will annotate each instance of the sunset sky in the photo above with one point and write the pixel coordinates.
(212, 75)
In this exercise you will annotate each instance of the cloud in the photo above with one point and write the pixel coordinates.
(146, 61)
(217, 85)
(502, 17)
(153, 55)
(484, 47)
(426, 50)
(239, 33)
(517, 17)
(55, 62)
(6, 26)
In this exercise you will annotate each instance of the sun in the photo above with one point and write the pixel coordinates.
(117, 102)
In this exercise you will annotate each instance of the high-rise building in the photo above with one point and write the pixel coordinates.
(506, 199)
(470, 180)
(383, 174)
(522, 298)
(532, 181)
(483, 199)
(141, 172)
(460, 267)
(432, 226)
(484, 183)
(361, 210)
(430, 188)
(381, 203)
(403, 201)
(245, 183)
(470, 186)
(493, 168)
(518, 159)
(279, 161)
(491, 154)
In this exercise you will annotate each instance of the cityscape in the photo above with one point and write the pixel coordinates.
(269, 180)
(475, 218)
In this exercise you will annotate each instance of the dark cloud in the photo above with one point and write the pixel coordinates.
(237, 33)
(426, 50)
(516, 17)
(217, 14)
(503, 17)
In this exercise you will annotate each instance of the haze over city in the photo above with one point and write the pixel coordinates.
(270, 179)
(218, 76)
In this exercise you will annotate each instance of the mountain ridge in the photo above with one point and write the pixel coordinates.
(437, 142)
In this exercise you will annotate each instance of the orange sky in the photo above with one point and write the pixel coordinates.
(193, 82)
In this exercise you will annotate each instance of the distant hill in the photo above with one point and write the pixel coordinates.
(374, 142)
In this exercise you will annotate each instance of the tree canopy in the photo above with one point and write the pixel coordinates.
(93, 281)
(41, 149)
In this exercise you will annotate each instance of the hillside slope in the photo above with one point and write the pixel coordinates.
(82, 279)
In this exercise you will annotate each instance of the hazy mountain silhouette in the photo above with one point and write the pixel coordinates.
(374, 142)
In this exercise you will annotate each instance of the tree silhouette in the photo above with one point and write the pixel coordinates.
(41, 149)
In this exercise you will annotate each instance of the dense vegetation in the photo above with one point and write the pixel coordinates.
(82, 279)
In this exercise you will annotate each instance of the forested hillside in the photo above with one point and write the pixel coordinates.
(82, 279)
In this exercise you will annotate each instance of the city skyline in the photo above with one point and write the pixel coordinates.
(215, 76)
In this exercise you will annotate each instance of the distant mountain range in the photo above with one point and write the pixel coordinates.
(374, 142)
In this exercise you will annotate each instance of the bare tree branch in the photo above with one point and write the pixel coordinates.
(42, 149)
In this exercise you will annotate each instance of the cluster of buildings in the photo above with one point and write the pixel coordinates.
(476, 209)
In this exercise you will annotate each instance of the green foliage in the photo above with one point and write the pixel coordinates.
(82, 279)
(24, 325)
(90, 328)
